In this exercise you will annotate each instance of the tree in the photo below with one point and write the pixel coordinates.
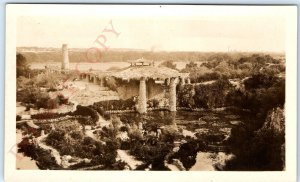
(191, 65)
(112, 84)
(185, 96)
(22, 66)
(168, 64)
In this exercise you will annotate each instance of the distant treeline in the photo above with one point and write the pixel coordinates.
(89, 55)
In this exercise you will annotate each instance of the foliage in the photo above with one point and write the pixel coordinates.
(153, 103)
(261, 152)
(48, 115)
(62, 99)
(33, 91)
(196, 72)
(235, 67)
(259, 149)
(116, 122)
(168, 64)
(212, 95)
(205, 77)
(188, 152)
(111, 83)
(22, 65)
(18, 118)
(75, 144)
(115, 104)
(87, 111)
(263, 92)
(40, 99)
(44, 158)
(170, 135)
(185, 95)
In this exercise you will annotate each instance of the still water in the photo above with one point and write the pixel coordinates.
(211, 126)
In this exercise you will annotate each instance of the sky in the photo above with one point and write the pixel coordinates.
(155, 28)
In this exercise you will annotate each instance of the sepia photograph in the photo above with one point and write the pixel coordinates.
(150, 88)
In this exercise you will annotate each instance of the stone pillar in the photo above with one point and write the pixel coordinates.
(172, 95)
(168, 81)
(65, 55)
(88, 78)
(142, 102)
(188, 80)
(101, 81)
(95, 79)
(182, 81)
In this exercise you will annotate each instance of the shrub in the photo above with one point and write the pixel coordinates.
(62, 99)
(111, 83)
(153, 103)
(44, 158)
(22, 65)
(185, 96)
(55, 138)
(114, 105)
(87, 111)
(168, 64)
(77, 135)
(188, 152)
(48, 115)
(18, 118)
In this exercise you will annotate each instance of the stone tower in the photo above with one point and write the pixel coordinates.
(142, 101)
(65, 57)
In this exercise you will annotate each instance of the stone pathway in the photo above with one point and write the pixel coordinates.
(130, 160)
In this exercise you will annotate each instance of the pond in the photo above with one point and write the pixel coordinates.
(213, 127)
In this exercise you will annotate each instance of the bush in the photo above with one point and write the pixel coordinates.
(262, 152)
(22, 65)
(87, 111)
(111, 83)
(77, 135)
(48, 115)
(212, 95)
(114, 105)
(262, 93)
(206, 77)
(153, 103)
(188, 152)
(44, 158)
(18, 118)
(168, 64)
(185, 95)
(62, 99)
(55, 138)
(38, 98)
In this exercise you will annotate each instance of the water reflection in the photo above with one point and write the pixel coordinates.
(208, 161)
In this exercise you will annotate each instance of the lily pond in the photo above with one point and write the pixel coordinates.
(158, 140)
(211, 127)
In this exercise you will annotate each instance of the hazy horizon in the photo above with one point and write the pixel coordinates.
(240, 29)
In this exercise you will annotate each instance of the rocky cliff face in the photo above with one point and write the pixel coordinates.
(275, 124)
(275, 121)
